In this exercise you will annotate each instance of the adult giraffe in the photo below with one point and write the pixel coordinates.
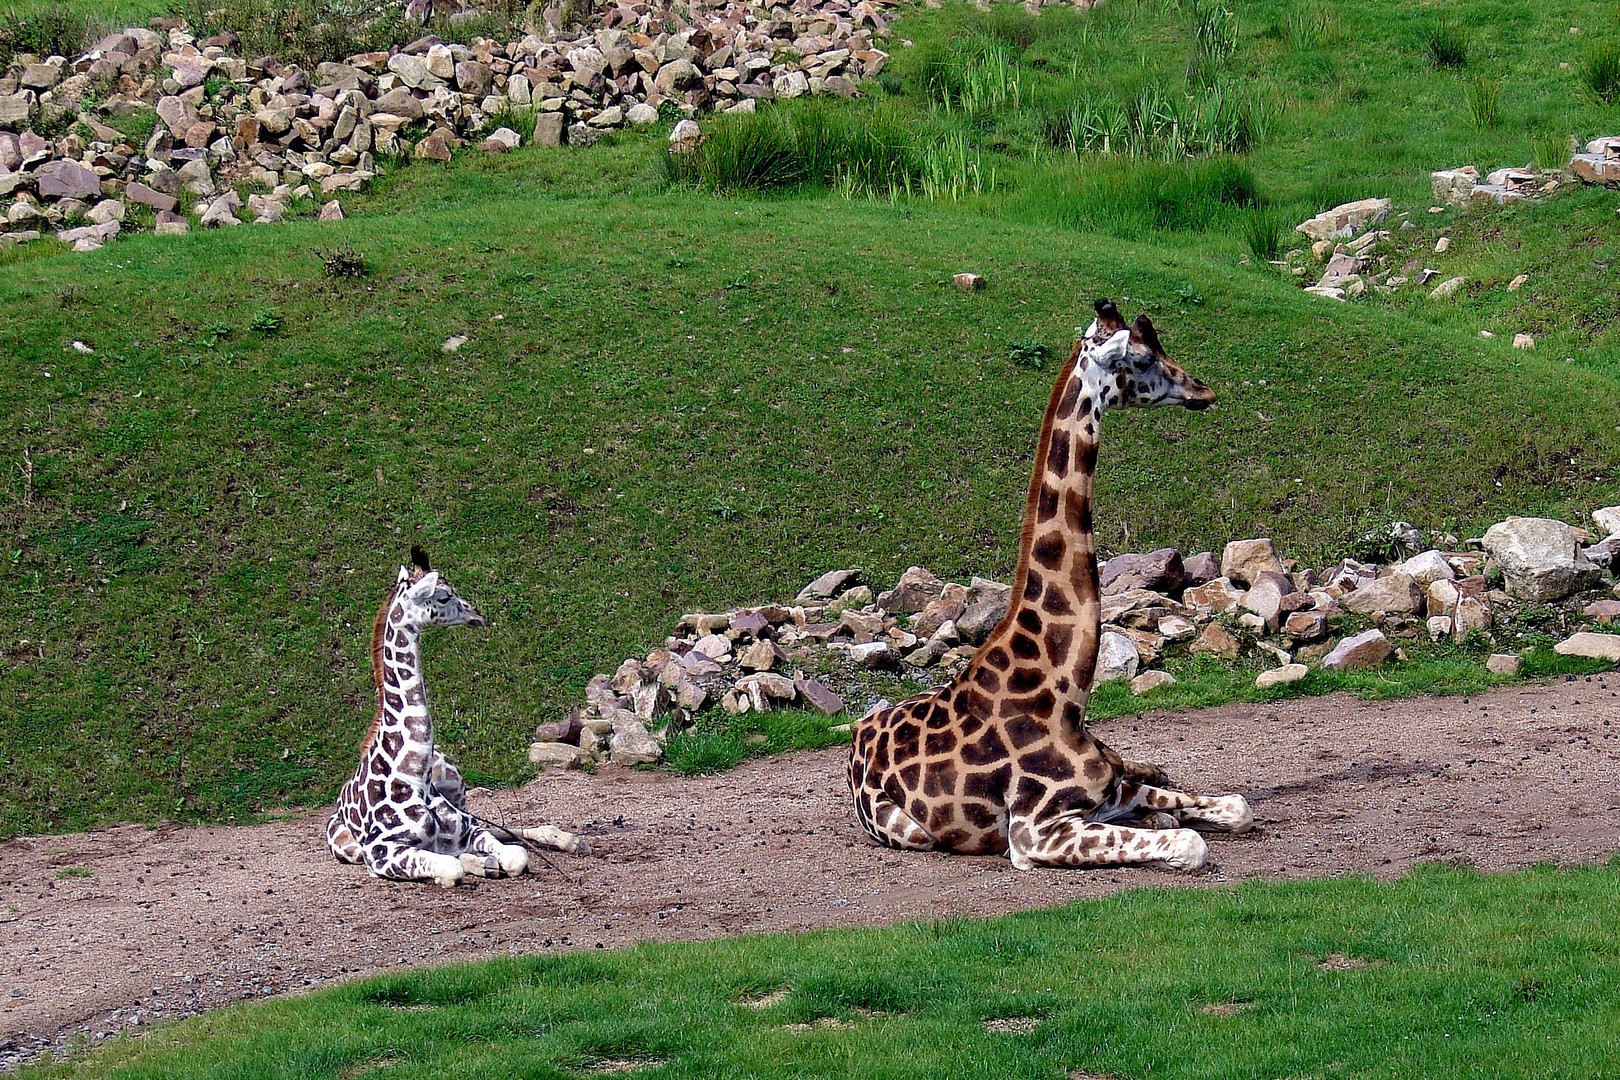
(999, 761)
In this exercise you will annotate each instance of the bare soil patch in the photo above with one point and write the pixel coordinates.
(115, 929)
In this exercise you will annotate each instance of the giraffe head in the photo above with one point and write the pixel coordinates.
(428, 600)
(1142, 375)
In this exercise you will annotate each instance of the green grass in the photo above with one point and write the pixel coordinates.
(1444, 972)
(201, 515)
(214, 510)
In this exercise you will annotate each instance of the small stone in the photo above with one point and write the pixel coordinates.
(631, 743)
(1244, 560)
(1504, 664)
(558, 754)
(969, 282)
(1159, 570)
(332, 211)
(1176, 628)
(916, 589)
(506, 136)
(142, 195)
(1439, 627)
(1306, 625)
(433, 148)
(1540, 559)
(1151, 680)
(1218, 640)
(1396, 593)
(1117, 658)
(826, 586)
(762, 655)
(1607, 520)
(1367, 649)
(222, 211)
(1518, 282)
(454, 342)
(819, 697)
(1344, 221)
(873, 654)
(548, 129)
(1523, 341)
(169, 223)
(1213, 597)
(1280, 676)
(641, 114)
(1447, 288)
(1590, 646)
(713, 646)
(1441, 245)
(986, 606)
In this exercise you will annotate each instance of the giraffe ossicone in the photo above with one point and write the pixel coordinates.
(404, 811)
(999, 761)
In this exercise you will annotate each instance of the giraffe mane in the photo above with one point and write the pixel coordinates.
(377, 627)
(1026, 535)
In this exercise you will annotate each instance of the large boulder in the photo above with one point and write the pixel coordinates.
(1159, 570)
(1367, 649)
(1343, 222)
(1117, 658)
(916, 589)
(987, 603)
(1243, 561)
(1591, 647)
(1397, 593)
(1540, 559)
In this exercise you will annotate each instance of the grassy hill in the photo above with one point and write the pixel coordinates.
(675, 400)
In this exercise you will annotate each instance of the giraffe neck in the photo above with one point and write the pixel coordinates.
(396, 665)
(1055, 598)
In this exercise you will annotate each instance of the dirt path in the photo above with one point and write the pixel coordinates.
(104, 930)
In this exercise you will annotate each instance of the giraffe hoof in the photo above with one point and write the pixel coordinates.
(1160, 820)
(1188, 850)
(577, 845)
(1230, 814)
(480, 865)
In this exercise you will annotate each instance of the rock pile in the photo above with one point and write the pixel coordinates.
(1248, 601)
(1345, 240)
(226, 121)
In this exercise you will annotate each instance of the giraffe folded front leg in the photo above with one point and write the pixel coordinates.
(501, 860)
(1143, 772)
(1073, 841)
(402, 862)
(1220, 813)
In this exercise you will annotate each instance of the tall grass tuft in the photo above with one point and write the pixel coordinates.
(1262, 232)
(1484, 101)
(1133, 199)
(1446, 43)
(45, 30)
(1600, 72)
(859, 151)
(1164, 123)
(1553, 150)
(953, 170)
(1215, 39)
(1305, 26)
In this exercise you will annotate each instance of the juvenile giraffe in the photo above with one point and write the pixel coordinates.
(999, 761)
(404, 811)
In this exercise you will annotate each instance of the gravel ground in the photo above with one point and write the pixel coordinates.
(112, 930)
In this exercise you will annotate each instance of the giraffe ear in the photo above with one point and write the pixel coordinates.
(1109, 320)
(419, 558)
(1143, 331)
